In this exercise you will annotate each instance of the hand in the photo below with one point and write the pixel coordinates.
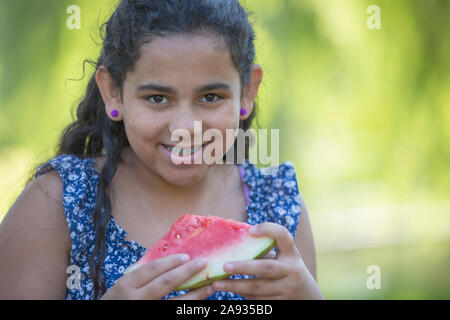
(157, 278)
(285, 277)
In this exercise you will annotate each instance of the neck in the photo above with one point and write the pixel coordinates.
(151, 185)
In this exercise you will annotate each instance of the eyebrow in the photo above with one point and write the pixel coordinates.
(171, 90)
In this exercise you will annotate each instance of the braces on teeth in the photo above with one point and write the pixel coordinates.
(183, 152)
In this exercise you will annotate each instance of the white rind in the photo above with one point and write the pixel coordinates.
(246, 249)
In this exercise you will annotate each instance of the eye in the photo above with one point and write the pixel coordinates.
(210, 97)
(156, 99)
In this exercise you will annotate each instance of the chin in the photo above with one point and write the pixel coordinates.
(184, 175)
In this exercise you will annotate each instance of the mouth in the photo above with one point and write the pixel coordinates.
(185, 151)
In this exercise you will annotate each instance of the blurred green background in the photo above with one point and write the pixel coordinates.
(363, 114)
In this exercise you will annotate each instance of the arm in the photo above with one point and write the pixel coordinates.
(35, 243)
(304, 240)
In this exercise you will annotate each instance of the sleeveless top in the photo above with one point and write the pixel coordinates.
(272, 195)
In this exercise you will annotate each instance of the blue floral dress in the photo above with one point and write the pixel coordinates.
(272, 196)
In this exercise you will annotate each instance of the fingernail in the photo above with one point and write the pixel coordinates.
(184, 257)
(228, 267)
(200, 262)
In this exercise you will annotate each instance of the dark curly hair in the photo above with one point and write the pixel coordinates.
(134, 22)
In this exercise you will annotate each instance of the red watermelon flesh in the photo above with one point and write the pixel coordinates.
(216, 239)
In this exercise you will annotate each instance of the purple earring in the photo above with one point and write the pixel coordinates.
(243, 112)
(114, 113)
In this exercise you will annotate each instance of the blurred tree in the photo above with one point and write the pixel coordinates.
(29, 47)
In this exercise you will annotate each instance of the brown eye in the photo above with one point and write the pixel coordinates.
(211, 97)
(157, 99)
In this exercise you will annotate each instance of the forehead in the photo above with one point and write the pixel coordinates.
(184, 60)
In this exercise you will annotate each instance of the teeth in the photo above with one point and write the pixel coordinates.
(183, 152)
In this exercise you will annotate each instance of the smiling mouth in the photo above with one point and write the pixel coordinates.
(184, 151)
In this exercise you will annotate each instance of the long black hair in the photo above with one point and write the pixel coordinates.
(133, 23)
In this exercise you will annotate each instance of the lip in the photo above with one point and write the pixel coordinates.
(184, 147)
(185, 160)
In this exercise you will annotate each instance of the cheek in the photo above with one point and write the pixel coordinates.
(226, 121)
(142, 129)
(227, 117)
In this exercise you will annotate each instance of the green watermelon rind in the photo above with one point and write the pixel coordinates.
(225, 275)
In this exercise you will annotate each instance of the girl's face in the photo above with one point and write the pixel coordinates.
(178, 80)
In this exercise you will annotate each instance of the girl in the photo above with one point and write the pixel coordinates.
(163, 65)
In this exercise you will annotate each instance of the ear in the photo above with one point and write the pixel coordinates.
(251, 90)
(109, 92)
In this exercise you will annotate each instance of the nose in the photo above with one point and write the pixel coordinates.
(184, 123)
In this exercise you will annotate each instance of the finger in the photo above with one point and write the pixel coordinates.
(248, 287)
(264, 268)
(149, 271)
(282, 236)
(197, 294)
(172, 279)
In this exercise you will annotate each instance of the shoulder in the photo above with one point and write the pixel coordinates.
(278, 180)
(69, 163)
(77, 175)
(77, 187)
(49, 184)
(282, 175)
(275, 194)
(40, 205)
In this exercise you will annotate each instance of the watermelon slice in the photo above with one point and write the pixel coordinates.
(216, 239)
